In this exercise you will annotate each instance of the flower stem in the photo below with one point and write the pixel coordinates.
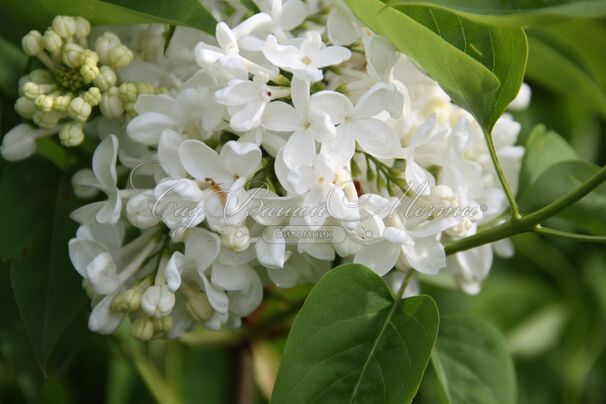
(529, 222)
(515, 210)
(571, 236)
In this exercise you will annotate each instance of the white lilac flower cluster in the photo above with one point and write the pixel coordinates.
(295, 122)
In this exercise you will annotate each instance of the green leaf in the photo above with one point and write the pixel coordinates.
(543, 149)
(559, 66)
(351, 342)
(517, 12)
(588, 214)
(39, 13)
(46, 287)
(26, 191)
(472, 363)
(12, 67)
(175, 12)
(16, 352)
(480, 66)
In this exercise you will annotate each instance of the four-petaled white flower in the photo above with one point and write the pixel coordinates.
(305, 61)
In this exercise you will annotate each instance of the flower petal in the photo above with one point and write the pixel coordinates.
(381, 257)
(104, 162)
(376, 137)
(231, 277)
(243, 159)
(426, 256)
(338, 106)
(147, 128)
(168, 153)
(203, 247)
(248, 117)
(300, 150)
(103, 319)
(162, 104)
(281, 117)
(202, 162)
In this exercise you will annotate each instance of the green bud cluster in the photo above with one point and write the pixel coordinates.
(386, 178)
(78, 81)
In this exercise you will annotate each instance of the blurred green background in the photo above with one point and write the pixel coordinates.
(549, 300)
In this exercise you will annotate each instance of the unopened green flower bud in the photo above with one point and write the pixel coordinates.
(381, 184)
(64, 26)
(73, 55)
(370, 174)
(71, 134)
(106, 78)
(40, 76)
(44, 103)
(31, 90)
(90, 57)
(132, 299)
(120, 56)
(128, 92)
(104, 44)
(395, 172)
(163, 324)
(111, 105)
(52, 41)
(46, 120)
(145, 88)
(89, 73)
(62, 102)
(79, 109)
(157, 301)
(199, 307)
(143, 329)
(237, 239)
(129, 109)
(82, 27)
(24, 107)
(117, 303)
(92, 96)
(355, 169)
(32, 43)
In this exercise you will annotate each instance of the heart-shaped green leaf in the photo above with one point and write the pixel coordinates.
(352, 343)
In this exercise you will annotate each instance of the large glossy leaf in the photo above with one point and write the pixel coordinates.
(39, 13)
(27, 189)
(588, 214)
(480, 66)
(176, 12)
(46, 287)
(352, 343)
(472, 363)
(517, 12)
(15, 348)
(543, 149)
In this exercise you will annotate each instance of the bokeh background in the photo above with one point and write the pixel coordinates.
(549, 300)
